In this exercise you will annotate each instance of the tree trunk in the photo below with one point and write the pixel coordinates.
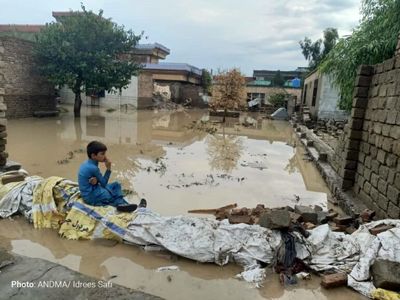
(77, 105)
(223, 119)
(78, 100)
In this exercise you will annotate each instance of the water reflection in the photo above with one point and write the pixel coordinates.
(139, 142)
(224, 151)
(263, 165)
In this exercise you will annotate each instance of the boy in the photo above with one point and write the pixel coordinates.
(94, 187)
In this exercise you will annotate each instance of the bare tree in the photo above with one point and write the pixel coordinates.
(228, 91)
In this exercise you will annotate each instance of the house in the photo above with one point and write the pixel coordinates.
(182, 79)
(261, 86)
(321, 97)
(25, 91)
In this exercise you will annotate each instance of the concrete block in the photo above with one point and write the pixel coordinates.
(307, 214)
(385, 274)
(275, 219)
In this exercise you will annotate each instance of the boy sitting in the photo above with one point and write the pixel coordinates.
(94, 187)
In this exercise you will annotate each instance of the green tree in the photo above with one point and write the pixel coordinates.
(277, 100)
(278, 79)
(316, 51)
(86, 52)
(372, 41)
(206, 80)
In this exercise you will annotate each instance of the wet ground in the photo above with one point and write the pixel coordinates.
(177, 163)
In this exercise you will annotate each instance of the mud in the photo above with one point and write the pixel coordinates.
(160, 156)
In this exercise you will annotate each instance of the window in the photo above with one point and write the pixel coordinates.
(315, 91)
(305, 94)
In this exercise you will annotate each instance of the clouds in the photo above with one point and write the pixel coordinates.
(251, 34)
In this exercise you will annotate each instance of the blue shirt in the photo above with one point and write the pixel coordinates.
(88, 169)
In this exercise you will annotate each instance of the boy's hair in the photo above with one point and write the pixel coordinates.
(95, 147)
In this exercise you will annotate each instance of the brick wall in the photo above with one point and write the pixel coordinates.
(25, 90)
(370, 161)
(145, 90)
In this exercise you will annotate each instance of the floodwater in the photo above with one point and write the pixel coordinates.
(169, 159)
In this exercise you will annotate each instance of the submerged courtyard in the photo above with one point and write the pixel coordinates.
(179, 161)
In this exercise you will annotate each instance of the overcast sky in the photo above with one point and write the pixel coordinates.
(249, 34)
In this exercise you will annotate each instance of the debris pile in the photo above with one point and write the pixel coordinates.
(287, 217)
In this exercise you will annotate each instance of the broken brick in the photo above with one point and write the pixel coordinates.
(380, 228)
(367, 215)
(345, 220)
(237, 219)
(334, 280)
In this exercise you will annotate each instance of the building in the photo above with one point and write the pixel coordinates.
(290, 78)
(321, 97)
(182, 79)
(261, 86)
(25, 91)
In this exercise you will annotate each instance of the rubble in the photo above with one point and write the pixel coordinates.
(367, 215)
(344, 220)
(385, 274)
(275, 219)
(334, 280)
(380, 228)
(307, 213)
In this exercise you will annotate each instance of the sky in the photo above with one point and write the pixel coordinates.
(212, 34)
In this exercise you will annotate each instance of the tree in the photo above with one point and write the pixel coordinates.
(206, 80)
(372, 41)
(228, 91)
(277, 100)
(313, 52)
(278, 79)
(86, 52)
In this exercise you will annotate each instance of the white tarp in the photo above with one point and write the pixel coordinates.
(207, 240)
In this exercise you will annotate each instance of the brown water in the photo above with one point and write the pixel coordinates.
(175, 169)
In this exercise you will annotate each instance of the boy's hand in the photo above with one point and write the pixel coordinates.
(93, 180)
(107, 162)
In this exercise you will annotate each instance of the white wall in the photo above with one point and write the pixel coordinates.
(111, 100)
(329, 101)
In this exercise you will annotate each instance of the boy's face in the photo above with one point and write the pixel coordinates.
(100, 157)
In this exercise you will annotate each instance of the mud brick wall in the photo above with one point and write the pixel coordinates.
(145, 90)
(3, 131)
(25, 90)
(370, 165)
(338, 156)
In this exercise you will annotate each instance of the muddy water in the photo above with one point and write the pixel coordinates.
(176, 169)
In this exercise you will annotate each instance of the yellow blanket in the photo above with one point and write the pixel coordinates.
(57, 204)
(44, 209)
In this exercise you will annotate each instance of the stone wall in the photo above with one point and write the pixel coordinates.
(25, 90)
(372, 145)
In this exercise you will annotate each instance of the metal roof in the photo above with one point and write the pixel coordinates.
(174, 67)
(152, 46)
